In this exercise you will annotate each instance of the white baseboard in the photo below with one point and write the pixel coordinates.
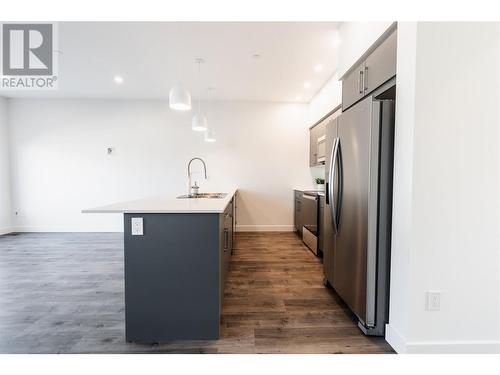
(263, 228)
(76, 229)
(395, 339)
(6, 230)
(48, 229)
(400, 345)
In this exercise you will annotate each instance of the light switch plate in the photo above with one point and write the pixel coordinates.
(137, 226)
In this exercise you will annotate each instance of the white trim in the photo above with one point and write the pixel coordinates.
(263, 228)
(400, 345)
(76, 229)
(395, 339)
(48, 229)
(6, 230)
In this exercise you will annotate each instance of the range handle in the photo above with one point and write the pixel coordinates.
(310, 197)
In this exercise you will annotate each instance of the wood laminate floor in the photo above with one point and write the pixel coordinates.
(63, 293)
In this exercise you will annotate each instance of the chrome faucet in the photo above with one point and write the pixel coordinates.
(193, 190)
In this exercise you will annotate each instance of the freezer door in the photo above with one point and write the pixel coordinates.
(350, 257)
(328, 230)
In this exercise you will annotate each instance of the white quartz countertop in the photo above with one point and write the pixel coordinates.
(320, 192)
(168, 204)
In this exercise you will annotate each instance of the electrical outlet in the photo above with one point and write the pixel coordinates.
(433, 302)
(137, 226)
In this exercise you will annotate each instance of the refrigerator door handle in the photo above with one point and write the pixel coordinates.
(340, 191)
(331, 182)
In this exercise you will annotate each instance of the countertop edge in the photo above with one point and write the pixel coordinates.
(103, 210)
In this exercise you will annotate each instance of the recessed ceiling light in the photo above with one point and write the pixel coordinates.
(318, 68)
(118, 79)
(256, 56)
(307, 84)
(298, 98)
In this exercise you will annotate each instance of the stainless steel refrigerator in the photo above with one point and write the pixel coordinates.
(358, 169)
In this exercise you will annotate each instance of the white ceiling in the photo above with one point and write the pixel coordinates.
(153, 56)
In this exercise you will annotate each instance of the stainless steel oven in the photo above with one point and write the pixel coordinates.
(310, 203)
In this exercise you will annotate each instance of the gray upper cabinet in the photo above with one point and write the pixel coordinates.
(317, 144)
(377, 68)
(313, 153)
(380, 65)
(352, 86)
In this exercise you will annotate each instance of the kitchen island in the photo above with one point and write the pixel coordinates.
(176, 262)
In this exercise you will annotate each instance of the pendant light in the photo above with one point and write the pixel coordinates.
(199, 122)
(209, 134)
(179, 98)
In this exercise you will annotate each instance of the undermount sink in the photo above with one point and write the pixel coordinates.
(203, 195)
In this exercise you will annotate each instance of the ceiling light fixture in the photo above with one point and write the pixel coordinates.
(307, 84)
(199, 122)
(179, 98)
(318, 68)
(118, 79)
(209, 136)
(298, 98)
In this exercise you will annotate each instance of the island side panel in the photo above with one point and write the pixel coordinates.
(172, 278)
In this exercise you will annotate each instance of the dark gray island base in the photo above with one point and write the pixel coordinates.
(175, 275)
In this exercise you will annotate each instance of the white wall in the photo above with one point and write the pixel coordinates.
(446, 204)
(329, 97)
(60, 166)
(5, 208)
(355, 39)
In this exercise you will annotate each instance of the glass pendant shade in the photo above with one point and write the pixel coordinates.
(179, 98)
(199, 123)
(209, 136)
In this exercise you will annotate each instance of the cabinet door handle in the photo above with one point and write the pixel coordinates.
(361, 83)
(365, 79)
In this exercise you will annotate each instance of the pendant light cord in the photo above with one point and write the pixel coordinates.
(199, 78)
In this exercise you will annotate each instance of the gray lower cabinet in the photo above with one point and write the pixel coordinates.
(321, 223)
(175, 275)
(226, 246)
(298, 212)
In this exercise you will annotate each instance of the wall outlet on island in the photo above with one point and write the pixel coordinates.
(137, 226)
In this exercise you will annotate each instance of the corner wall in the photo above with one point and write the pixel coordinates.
(5, 193)
(446, 184)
